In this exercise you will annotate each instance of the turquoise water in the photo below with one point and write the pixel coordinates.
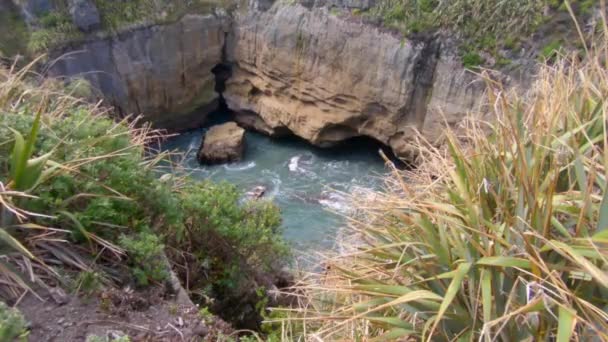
(307, 183)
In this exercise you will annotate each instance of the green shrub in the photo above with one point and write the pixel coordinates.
(472, 60)
(56, 27)
(205, 315)
(80, 88)
(12, 324)
(146, 251)
(89, 282)
(241, 239)
(101, 186)
(487, 26)
(550, 51)
(13, 33)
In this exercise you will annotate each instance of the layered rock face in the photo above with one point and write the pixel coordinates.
(161, 71)
(327, 79)
(295, 70)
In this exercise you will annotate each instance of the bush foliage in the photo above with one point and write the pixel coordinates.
(95, 198)
(12, 324)
(482, 26)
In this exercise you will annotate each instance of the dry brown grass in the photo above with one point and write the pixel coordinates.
(495, 236)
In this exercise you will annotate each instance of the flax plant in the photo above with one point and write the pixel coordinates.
(500, 235)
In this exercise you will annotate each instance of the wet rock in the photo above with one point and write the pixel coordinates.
(256, 192)
(222, 143)
(85, 15)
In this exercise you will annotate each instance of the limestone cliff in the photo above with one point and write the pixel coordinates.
(326, 79)
(161, 71)
(295, 70)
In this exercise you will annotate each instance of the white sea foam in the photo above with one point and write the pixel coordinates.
(275, 179)
(334, 201)
(293, 163)
(298, 164)
(194, 143)
(239, 166)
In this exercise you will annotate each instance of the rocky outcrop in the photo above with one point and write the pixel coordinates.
(294, 70)
(327, 79)
(161, 71)
(85, 15)
(222, 143)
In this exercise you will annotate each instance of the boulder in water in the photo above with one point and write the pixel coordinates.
(222, 144)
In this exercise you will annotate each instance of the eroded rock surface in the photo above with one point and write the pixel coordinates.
(327, 79)
(294, 70)
(163, 71)
(222, 144)
(85, 15)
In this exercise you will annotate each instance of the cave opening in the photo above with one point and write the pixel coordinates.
(222, 114)
(222, 72)
(341, 149)
(375, 146)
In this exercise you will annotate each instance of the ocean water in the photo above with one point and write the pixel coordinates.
(307, 183)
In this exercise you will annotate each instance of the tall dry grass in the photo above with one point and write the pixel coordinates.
(502, 234)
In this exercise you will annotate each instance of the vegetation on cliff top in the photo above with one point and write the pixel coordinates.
(501, 235)
(56, 27)
(485, 27)
(13, 33)
(83, 200)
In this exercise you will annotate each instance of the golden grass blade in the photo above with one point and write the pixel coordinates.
(567, 322)
(461, 272)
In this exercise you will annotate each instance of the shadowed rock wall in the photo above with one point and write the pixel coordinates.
(162, 71)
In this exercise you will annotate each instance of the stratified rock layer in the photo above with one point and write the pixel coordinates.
(295, 70)
(326, 79)
(163, 71)
(222, 144)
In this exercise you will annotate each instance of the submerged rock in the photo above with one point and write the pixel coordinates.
(222, 143)
(256, 192)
